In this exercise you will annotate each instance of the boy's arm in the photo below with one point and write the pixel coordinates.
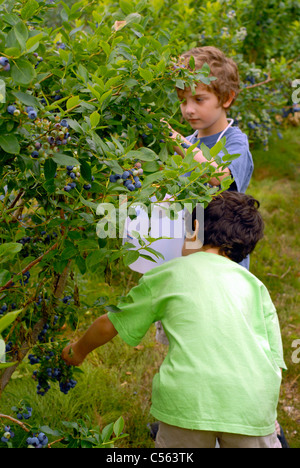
(199, 157)
(99, 333)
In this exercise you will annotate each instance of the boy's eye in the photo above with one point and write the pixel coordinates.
(199, 99)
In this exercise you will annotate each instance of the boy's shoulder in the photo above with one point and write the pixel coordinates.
(200, 263)
(232, 134)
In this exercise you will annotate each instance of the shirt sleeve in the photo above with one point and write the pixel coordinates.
(273, 329)
(242, 167)
(136, 314)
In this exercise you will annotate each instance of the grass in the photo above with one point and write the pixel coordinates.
(117, 378)
(276, 258)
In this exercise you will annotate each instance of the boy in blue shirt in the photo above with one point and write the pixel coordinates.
(206, 112)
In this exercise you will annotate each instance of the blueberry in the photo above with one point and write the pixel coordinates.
(125, 174)
(11, 110)
(131, 187)
(69, 168)
(64, 123)
(72, 175)
(67, 188)
(138, 184)
(4, 61)
(87, 186)
(35, 154)
(32, 114)
(149, 125)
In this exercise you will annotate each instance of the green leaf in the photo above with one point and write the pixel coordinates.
(33, 42)
(144, 154)
(131, 257)
(4, 277)
(147, 75)
(72, 102)
(8, 319)
(80, 262)
(119, 426)
(49, 168)
(26, 99)
(94, 119)
(85, 170)
(126, 7)
(21, 34)
(9, 249)
(64, 160)
(29, 9)
(22, 72)
(10, 144)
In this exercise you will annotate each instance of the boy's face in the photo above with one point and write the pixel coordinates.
(202, 110)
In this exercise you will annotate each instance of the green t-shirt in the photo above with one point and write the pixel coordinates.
(222, 371)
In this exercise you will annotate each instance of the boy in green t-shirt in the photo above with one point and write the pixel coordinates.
(221, 377)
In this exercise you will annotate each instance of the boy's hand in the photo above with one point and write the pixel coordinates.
(71, 356)
(183, 142)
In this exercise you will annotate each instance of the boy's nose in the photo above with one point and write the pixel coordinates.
(189, 109)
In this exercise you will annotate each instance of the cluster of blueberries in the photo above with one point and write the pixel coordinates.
(74, 174)
(37, 441)
(42, 336)
(129, 178)
(4, 64)
(52, 372)
(57, 135)
(30, 111)
(3, 309)
(8, 434)
(26, 414)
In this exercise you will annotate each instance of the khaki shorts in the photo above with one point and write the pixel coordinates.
(177, 437)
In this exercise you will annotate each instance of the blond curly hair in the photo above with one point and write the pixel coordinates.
(221, 67)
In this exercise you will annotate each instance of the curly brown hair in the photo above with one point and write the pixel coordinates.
(232, 223)
(221, 67)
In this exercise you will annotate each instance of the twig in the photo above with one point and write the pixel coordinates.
(280, 277)
(20, 194)
(32, 264)
(259, 84)
(55, 442)
(5, 416)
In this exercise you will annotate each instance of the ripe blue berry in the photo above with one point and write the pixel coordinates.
(87, 186)
(125, 175)
(4, 61)
(32, 114)
(11, 110)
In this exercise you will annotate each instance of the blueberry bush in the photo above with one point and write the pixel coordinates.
(85, 89)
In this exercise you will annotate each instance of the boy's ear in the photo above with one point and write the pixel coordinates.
(229, 100)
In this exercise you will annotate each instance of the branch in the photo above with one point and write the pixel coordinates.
(32, 264)
(20, 194)
(259, 84)
(16, 421)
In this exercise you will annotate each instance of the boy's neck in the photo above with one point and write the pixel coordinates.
(216, 127)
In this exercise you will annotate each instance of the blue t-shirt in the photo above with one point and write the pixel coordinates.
(236, 143)
(241, 168)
